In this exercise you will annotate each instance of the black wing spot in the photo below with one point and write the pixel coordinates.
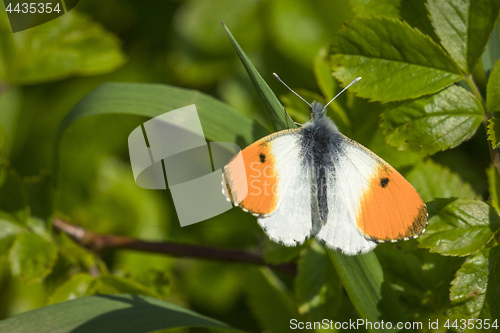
(384, 182)
(262, 157)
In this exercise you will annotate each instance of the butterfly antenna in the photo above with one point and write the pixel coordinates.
(350, 84)
(278, 78)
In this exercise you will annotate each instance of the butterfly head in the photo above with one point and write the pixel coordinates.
(317, 110)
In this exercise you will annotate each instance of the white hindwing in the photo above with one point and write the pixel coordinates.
(345, 184)
(290, 224)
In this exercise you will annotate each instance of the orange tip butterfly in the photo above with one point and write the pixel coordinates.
(315, 181)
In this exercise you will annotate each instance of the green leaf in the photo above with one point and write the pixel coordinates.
(3, 140)
(493, 90)
(420, 279)
(491, 52)
(7, 47)
(270, 301)
(323, 74)
(413, 12)
(494, 187)
(277, 254)
(432, 181)
(120, 313)
(395, 157)
(80, 285)
(464, 27)
(317, 286)
(272, 105)
(77, 286)
(432, 123)
(299, 110)
(112, 284)
(474, 292)
(363, 280)
(459, 227)
(13, 194)
(396, 61)
(219, 121)
(76, 255)
(8, 231)
(70, 45)
(493, 124)
(387, 8)
(32, 257)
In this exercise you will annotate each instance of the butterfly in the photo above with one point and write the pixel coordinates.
(315, 181)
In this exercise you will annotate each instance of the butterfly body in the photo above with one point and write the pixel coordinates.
(314, 181)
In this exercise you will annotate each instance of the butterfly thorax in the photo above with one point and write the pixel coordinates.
(321, 144)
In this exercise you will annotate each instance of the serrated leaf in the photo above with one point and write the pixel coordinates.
(100, 314)
(494, 187)
(459, 227)
(393, 156)
(69, 45)
(420, 279)
(432, 181)
(411, 11)
(432, 123)
(475, 290)
(272, 105)
(317, 286)
(31, 257)
(493, 125)
(396, 61)
(464, 27)
(493, 90)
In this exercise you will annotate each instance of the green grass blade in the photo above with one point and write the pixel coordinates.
(272, 105)
(220, 122)
(372, 296)
(105, 313)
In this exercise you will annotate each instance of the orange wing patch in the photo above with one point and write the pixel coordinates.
(390, 208)
(258, 179)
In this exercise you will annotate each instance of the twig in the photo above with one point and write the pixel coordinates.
(97, 242)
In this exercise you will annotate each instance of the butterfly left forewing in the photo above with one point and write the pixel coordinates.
(273, 184)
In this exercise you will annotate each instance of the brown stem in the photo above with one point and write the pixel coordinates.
(97, 242)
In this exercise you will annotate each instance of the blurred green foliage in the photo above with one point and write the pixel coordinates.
(424, 95)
